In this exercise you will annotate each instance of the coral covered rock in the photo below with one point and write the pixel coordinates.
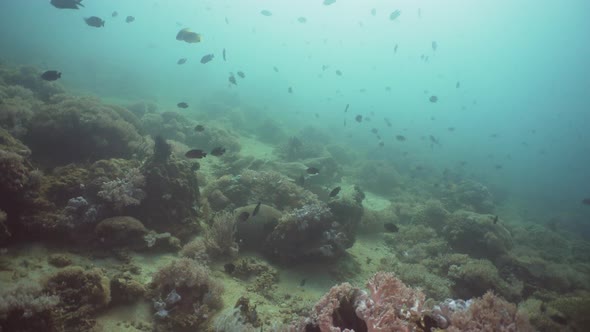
(123, 231)
(252, 232)
(478, 235)
(82, 292)
(126, 290)
(81, 129)
(185, 295)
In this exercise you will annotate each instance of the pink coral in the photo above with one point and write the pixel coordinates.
(489, 313)
(390, 305)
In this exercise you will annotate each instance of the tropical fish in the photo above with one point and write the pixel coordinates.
(51, 75)
(458, 85)
(182, 105)
(207, 58)
(188, 36)
(181, 61)
(232, 79)
(433, 99)
(67, 4)
(313, 171)
(586, 201)
(256, 209)
(265, 12)
(359, 118)
(290, 90)
(218, 151)
(114, 14)
(400, 138)
(129, 19)
(301, 19)
(329, 2)
(335, 191)
(434, 45)
(338, 72)
(195, 154)
(241, 74)
(373, 11)
(390, 227)
(243, 216)
(223, 54)
(395, 14)
(94, 21)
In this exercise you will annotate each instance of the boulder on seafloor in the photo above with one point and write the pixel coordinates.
(252, 232)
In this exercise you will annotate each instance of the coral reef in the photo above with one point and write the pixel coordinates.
(122, 231)
(488, 313)
(126, 191)
(82, 292)
(270, 188)
(469, 195)
(306, 233)
(125, 289)
(27, 77)
(384, 178)
(25, 307)
(252, 233)
(477, 234)
(81, 130)
(185, 296)
(388, 306)
(218, 240)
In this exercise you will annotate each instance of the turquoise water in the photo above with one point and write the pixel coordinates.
(522, 69)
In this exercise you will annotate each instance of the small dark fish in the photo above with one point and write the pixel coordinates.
(266, 12)
(338, 72)
(51, 75)
(302, 282)
(229, 268)
(335, 191)
(433, 140)
(129, 19)
(387, 122)
(275, 69)
(302, 19)
(243, 216)
(181, 61)
(391, 227)
(188, 36)
(359, 118)
(218, 151)
(195, 154)
(67, 4)
(256, 209)
(232, 79)
(313, 171)
(207, 58)
(199, 128)
(586, 201)
(395, 14)
(434, 45)
(451, 129)
(346, 108)
(182, 105)
(498, 167)
(374, 131)
(317, 115)
(94, 21)
(395, 48)
(324, 67)
(381, 144)
(433, 99)
(300, 181)
(241, 74)
(114, 14)
(290, 90)
(223, 54)
(226, 20)
(329, 2)
(400, 138)
(458, 85)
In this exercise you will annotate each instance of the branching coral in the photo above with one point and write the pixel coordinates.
(124, 191)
